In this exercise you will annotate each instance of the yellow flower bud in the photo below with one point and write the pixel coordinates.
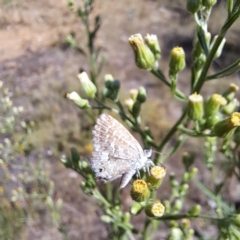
(133, 94)
(106, 219)
(195, 210)
(144, 58)
(233, 87)
(231, 92)
(82, 103)
(177, 61)
(176, 234)
(140, 191)
(89, 89)
(129, 103)
(108, 79)
(207, 37)
(195, 107)
(177, 206)
(220, 48)
(230, 107)
(183, 189)
(213, 104)
(186, 223)
(152, 43)
(142, 95)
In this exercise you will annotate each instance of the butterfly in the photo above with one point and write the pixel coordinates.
(116, 152)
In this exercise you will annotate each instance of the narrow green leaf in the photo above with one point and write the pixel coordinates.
(211, 195)
(205, 190)
(235, 67)
(202, 40)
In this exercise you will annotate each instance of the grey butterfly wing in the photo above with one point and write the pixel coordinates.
(115, 149)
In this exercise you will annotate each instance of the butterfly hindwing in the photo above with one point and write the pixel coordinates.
(115, 149)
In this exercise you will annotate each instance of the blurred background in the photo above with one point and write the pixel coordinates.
(38, 67)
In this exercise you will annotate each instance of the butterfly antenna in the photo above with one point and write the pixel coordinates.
(159, 153)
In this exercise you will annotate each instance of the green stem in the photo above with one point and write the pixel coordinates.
(91, 50)
(109, 192)
(174, 149)
(229, 6)
(193, 133)
(213, 51)
(179, 95)
(181, 216)
(90, 115)
(226, 71)
(169, 135)
(208, 13)
(145, 231)
(173, 84)
(157, 73)
(196, 18)
(120, 106)
(100, 197)
(93, 68)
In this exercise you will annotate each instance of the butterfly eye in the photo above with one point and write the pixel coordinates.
(148, 153)
(100, 169)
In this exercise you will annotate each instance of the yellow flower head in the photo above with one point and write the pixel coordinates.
(227, 126)
(140, 191)
(155, 209)
(154, 179)
(235, 119)
(158, 172)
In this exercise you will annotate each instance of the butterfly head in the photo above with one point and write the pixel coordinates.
(147, 153)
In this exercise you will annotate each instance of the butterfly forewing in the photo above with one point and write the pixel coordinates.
(115, 149)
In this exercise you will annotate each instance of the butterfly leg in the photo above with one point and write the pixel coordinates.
(138, 173)
(126, 177)
(150, 162)
(148, 165)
